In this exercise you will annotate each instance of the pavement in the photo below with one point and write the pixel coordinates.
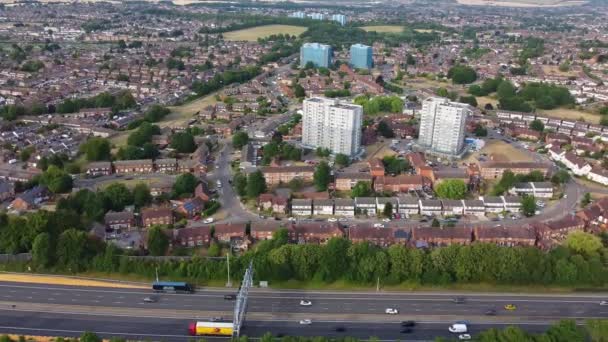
(60, 310)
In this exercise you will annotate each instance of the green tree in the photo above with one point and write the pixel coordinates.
(361, 189)
(156, 113)
(96, 148)
(184, 185)
(583, 243)
(342, 159)
(322, 152)
(528, 206)
(158, 241)
(71, 249)
(388, 210)
(597, 330)
(240, 184)
(42, 250)
(240, 139)
(435, 223)
(451, 189)
(385, 130)
(57, 180)
(560, 177)
(505, 89)
(586, 199)
(322, 176)
(117, 196)
(461, 74)
(299, 91)
(88, 336)
(183, 142)
(537, 125)
(471, 100)
(394, 165)
(256, 184)
(214, 250)
(141, 195)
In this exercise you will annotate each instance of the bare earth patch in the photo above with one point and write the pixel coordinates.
(252, 34)
(59, 280)
(384, 28)
(571, 114)
(499, 151)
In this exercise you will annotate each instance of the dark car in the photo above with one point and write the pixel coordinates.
(490, 312)
(408, 323)
(459, 300)
(340, 329)
(406, 330)
(230, 297)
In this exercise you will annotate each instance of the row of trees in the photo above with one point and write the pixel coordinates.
(378, 104)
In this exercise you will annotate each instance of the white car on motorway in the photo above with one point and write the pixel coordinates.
(604, 302)
(332, 219)
(208, 220)
(391, 311)
(378, 225)
(464, 337)
(306, 322)
(305, 302)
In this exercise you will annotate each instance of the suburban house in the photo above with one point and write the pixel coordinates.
(452, 207)
(346, 181)
(494, 169)
(30, 199)
(134, 166)
(366, 205)
(376, 167)
(430, 207)
(400, 183)
(229, 231)
(166, 165)
(323, 207)
(474, 207)
(192, 236)
(598, 174)
(493, 204)
(506, 236)
(190, 207)
(432, 237)
(315, 232)
(344, 207)
(99, 169)
(512, 203)
(265, 230)
(156, 215)
(275, 175)
(557, 139)
(536, 189)
(301, 207)
(577, 165)
(202, 191)
(119, 220)
(382, 201)
(558, 230)
(408, 205)
(274, 203)
(382, 237)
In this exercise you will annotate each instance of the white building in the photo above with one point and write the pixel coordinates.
(333, 125)
(442, 125)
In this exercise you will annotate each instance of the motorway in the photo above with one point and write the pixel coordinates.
(67, 311)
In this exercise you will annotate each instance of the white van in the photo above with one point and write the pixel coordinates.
(458, 328)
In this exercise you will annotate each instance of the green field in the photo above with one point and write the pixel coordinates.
(384, 28)
(252, 34)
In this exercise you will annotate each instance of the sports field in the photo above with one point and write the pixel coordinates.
(384, 28)
(571, 114)
(252, 34)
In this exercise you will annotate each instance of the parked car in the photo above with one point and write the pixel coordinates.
(305, 322)
(305, 302)
(391, 311)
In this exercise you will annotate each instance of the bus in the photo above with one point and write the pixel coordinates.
(172, 286)
(207, 328)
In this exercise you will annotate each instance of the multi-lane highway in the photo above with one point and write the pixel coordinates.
(63, 310)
